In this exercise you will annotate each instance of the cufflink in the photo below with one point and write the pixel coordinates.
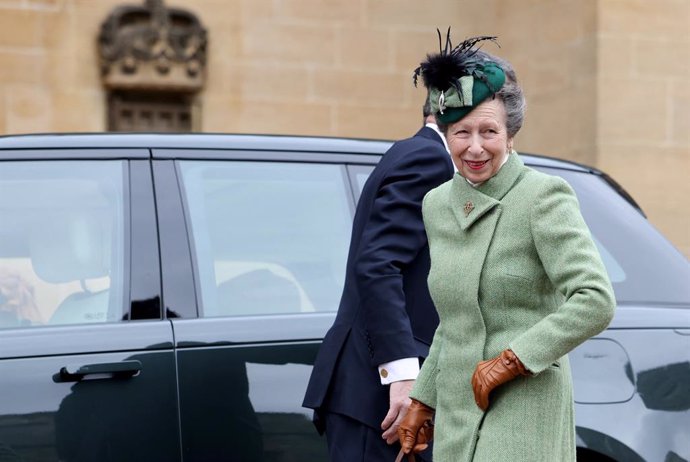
(384, 373)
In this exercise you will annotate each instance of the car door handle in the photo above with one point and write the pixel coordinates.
(118, 370)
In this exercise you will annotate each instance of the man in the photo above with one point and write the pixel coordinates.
(386, 320)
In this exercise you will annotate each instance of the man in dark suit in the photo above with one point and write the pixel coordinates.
(386, 320)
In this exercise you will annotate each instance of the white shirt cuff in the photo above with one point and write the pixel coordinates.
(400, 369)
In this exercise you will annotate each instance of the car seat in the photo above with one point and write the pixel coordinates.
(73, 246)
(257, 292)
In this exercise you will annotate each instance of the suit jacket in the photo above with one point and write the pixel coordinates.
(532, 280)
(385, 312)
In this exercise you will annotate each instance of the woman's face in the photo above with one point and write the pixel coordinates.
(479, 141)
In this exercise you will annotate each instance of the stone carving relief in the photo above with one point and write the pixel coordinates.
(152, 47)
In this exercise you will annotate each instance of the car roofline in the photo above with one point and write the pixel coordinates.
(248, 142)
(270, 142)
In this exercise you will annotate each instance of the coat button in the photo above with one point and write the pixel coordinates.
(384, 373)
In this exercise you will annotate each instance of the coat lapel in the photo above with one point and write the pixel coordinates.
(470, 203)
(477, 211)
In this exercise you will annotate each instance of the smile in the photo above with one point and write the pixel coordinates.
(476, 165)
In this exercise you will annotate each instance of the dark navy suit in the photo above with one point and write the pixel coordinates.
(385, 311)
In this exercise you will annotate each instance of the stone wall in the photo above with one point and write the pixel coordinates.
(643, 107)
(606, 80)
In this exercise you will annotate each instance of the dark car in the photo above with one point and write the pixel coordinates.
(162, 298)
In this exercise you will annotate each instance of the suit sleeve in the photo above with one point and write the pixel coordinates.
(574, 267)
(424, 389)
(391, 240)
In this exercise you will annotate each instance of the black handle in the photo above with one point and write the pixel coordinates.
(119, 370)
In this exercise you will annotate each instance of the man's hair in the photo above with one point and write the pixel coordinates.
(426, 109)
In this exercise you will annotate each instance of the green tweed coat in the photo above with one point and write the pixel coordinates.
(513, 265)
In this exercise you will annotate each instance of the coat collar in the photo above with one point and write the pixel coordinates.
(431, 134)
(471, 203)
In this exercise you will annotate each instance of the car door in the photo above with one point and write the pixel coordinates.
(87, 367)
(268, 239)
(632, 381)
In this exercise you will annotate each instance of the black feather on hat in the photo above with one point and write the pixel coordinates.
(442, 70)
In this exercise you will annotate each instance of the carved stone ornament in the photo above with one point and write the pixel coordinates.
(152, 47)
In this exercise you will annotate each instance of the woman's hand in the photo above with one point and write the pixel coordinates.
(417, 428)
(494, 372)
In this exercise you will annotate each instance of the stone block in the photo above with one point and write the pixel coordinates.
(656, 177)
(667, 19)
(632, 111)
(264, 40)
(79, 111)
(3, 110)
(680, 114)
(21, 67)
(322, 11)
(256, 10)
(268, 83)
(20, 28)
(384, 90)
(28, 110)
(377, 123)
(560, 124)
(50, 5)
(246, 116)
(616, 56)
(553, 23)
(421, 15)
(668, 59)
(410, 47)
(361, 48)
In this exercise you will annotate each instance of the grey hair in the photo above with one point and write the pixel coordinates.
(510, 93)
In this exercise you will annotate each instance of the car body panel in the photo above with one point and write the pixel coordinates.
(195, 388)
(43, 417)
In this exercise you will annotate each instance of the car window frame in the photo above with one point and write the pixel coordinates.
(168, 185)
(68, 156)
(141, 284)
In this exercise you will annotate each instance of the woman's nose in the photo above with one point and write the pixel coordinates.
(475, 147)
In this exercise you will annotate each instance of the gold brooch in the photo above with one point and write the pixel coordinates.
(469, 206)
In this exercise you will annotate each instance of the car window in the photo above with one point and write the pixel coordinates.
(642, 265)
(267, 237)
(62, 242)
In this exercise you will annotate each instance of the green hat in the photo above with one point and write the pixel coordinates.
(458, 80)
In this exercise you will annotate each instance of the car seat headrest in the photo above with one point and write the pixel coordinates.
(70, 246)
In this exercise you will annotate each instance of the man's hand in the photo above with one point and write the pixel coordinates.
(399, 402)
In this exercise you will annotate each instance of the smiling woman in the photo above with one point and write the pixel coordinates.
(479, 143)
(532, 284)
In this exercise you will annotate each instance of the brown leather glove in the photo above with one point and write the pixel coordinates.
(417, 428)
(491, 373)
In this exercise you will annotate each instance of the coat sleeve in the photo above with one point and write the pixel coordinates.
(574, 267)
(391, 240)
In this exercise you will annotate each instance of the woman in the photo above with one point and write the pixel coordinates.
(515, 276)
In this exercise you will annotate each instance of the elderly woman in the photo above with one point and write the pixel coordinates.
(515, 276)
